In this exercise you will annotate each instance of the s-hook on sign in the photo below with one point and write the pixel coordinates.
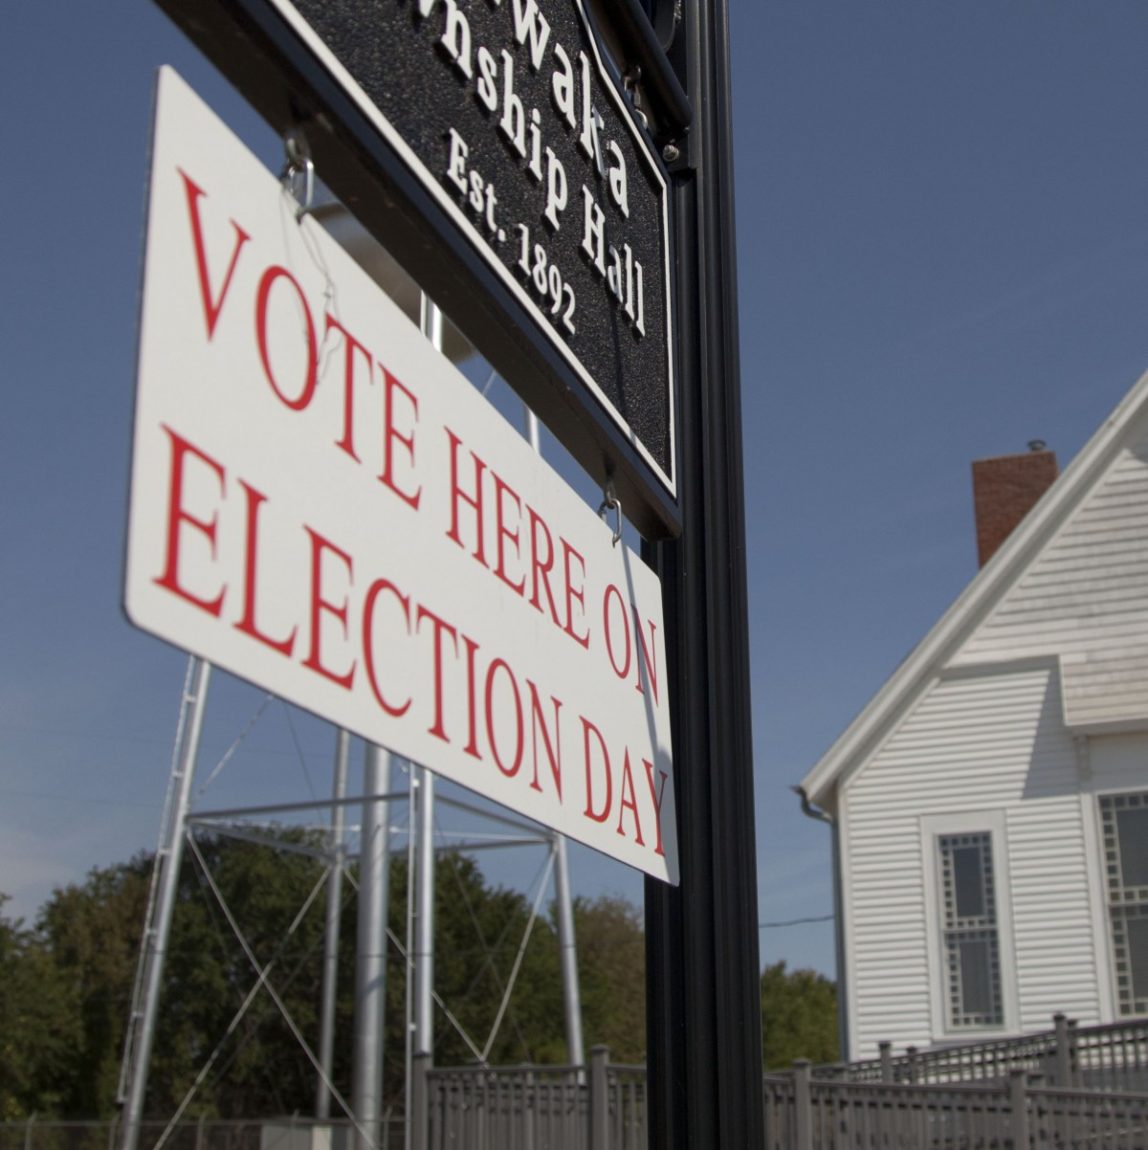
(500, 125)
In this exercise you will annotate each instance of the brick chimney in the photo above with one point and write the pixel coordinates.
(1005, 490)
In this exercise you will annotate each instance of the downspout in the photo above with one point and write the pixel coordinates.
(808, 809)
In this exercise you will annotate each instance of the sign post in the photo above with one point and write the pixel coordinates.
(702, 966)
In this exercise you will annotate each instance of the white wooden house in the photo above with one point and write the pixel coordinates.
(990, 804)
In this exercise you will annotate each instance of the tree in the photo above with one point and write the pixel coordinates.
(798, 1017)
(479, 932)
(66, 984)
(612, 976)
(39, 1024)
(91, 934)
(257, 1064)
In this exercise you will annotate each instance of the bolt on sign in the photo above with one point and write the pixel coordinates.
(520, 138)
(322, 504)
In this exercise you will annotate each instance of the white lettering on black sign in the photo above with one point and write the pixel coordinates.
(507, 110)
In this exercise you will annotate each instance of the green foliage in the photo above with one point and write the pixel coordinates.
(66, 984)
(89, 937)
(479, 931)
(205, 1012)
(612, 976)
(798, 1017)
(39, 1024)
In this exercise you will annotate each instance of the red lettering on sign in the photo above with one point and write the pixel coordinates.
(211, 307)
(269, 279)
(622, 669)
(351, 348)
(377, 588)
(618, 618)
(502, 532)
(540, 567)
(474, 501)
(553, 746)
(255, 500)
(441, 627)
(629, 804)
(599, 815)
(391, 436)
(471, 747)
(319, 605)
(648, 655)
(657, 794)
(519, 742)
(177, 514)
(574, 594)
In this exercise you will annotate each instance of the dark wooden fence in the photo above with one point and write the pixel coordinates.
(1111, 1057)
(807, 1113)
(1068, 1088)
(286, 1133)
(538, 1107)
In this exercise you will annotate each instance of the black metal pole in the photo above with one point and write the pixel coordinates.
(703, 988)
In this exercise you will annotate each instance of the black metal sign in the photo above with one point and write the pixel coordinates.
(519, 134)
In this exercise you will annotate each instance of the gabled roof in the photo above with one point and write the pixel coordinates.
(930, 657)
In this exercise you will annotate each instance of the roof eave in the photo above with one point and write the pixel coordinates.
(929, 657)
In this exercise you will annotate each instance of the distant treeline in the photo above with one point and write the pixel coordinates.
(66, 984)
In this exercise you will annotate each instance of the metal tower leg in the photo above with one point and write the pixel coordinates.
(370, 961)
(424, 922)
(161, 903)
(331, 943)
(421, 1046)
(571, 993)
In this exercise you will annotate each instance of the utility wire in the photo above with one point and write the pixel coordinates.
(795, 922)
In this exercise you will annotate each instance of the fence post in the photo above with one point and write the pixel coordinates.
(911, 1063)
(599, 1098)
(802, 1104)
(1018, 1104)
(420, 1110)
(529, 1106)
(28, 1131)
(886, 1049)
(1063, 1061)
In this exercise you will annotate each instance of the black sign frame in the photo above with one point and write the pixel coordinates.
(280, 67)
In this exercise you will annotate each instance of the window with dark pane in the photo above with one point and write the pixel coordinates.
(969, 922)
(1124, 819)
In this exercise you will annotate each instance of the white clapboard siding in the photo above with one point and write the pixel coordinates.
(1119, 762)
(974, 743)
(1056, 948)
(1084, 599)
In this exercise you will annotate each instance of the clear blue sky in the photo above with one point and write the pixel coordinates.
(943, 232)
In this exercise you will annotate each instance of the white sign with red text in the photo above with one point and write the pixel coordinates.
(322, 504)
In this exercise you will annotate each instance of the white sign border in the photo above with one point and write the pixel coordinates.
(167, 348)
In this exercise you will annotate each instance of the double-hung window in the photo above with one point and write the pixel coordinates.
(969, 931)
(968, 916)
(1124, 820)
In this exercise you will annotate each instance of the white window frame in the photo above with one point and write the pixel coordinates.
(932, 829)
(1123, 898)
